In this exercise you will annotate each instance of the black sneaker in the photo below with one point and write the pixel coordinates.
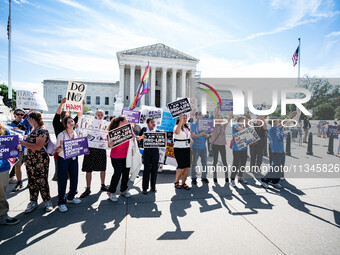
(144, 192)
(10, 221)
(215, 179)
(226, 179)
(86, 193)
(18, 187)
(104, 188)
(205, 180)
(194, 182)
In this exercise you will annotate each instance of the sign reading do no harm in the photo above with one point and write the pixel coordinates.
(74, 97)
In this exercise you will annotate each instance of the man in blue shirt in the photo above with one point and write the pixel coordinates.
(276, 137)
(199, 149)
(22, 124)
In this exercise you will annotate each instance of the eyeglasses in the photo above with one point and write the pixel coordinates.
(19, 114)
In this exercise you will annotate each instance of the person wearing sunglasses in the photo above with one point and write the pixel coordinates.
(22, 124)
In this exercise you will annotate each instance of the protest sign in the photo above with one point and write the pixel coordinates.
(120, 135)
(8, 146)
(30, 100)
(151, 112)
(154, 140)
(75, 147)
(161, 155)
(205, 125)
(332, 130)
(131, 116)
(167, 123)
(16, 131)
(74, 97)
(95, 130)
(245, 137)
(178, 107)
(227, 105)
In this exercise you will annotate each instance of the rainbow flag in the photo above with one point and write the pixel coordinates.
(142, 89)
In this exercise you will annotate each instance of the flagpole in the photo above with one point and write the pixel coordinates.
(299, 54)
(10, 55)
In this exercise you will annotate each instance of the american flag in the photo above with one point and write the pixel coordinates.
(8, 26)
(295, 56)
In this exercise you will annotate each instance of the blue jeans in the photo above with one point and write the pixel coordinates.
(67, 166)
(276, 168)
(202, 153)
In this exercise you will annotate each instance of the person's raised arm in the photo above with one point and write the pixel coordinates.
(229, 118)
(179, 126)
(60, 107)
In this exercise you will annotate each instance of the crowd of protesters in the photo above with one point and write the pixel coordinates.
(189, 146)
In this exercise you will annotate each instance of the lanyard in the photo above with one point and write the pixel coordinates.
(69, 135)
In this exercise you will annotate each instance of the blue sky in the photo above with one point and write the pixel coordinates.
(246, 38)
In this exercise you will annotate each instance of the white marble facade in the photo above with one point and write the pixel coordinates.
(99, 94)
(169, 75)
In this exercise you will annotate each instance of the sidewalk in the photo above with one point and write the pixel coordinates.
(303, 218)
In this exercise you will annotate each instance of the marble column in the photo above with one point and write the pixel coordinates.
(132, 84)
(173, 85)
(153, 86)
(121, 82)
(142, 100)
(163, 88)
(183, 83)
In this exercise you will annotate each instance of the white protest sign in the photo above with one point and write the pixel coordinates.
(151, 112)
(245, 137)
(30, 100)
(95, 130)
(74, 97)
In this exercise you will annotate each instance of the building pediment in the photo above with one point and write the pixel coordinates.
(158, 50)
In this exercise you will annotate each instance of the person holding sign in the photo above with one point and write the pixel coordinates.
(37, 163)
(182, 142)
(218, 142)
(95, 161)
(118, 159)
(151, 158)
(22, 124)
(59, 127)
(67, 167)
(257, 149)
(239, 155)
(4, 178)
(276, 137)
(199, 149)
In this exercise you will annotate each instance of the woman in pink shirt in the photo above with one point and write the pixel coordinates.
(118, 160)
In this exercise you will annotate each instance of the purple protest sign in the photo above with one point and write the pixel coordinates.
(8, 146)
(205, 125)
(131, 116)
(75, 147)
(227, 105)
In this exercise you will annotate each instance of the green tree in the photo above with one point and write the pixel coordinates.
(86, 109)
(4, 93)
(337, 113)
(324, 111)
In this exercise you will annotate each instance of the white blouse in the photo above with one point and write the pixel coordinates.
(184, 135)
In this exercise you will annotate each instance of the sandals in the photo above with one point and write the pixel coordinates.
(184, 186)
(177, 186)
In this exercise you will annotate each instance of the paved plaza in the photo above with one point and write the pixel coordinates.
(302, 218)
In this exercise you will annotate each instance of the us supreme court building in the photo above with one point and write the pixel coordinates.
(171, 75)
